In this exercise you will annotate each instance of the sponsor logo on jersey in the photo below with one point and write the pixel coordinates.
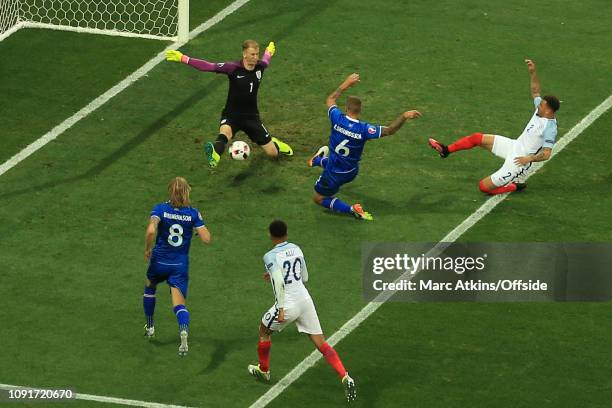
(371, 130)
(346, 132)
(220, 64)
(258, 74)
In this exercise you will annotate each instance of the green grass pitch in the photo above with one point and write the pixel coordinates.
(73, 214)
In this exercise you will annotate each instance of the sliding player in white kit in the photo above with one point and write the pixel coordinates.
(533, 145)
(286, 270)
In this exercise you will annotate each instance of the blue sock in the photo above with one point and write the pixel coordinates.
(337, 205)
(182, 316)
(320, 161)
(148, 302)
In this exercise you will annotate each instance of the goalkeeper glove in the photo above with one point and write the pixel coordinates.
(271, 48)
(174, 56)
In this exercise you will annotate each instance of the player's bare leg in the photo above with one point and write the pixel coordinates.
(182, 316)
(261, 371)
(148, 301)
(487, 142)
(216, 149)
(487, 186)
(334, 360)
(484, 141)
(270, 149)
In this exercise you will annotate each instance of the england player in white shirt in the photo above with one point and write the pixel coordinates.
(533, 145)
(286, 270)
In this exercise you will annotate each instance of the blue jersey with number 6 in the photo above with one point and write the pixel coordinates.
(174, 230)
(347, 140)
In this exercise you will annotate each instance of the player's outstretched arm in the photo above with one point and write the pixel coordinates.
(199, 64)
(204, 235)
(268, 53)
(535, 82)
(543, 155)
(150, 234)
(348, 82)
(399, 122)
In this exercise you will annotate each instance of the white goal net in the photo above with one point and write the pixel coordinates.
(157, 19)
(9, 17)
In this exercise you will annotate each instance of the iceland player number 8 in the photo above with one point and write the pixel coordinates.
(176, 231)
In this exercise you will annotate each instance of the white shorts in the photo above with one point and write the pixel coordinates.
(509, 172)
(302, 312)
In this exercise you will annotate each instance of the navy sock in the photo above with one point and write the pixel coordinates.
(148, 302)
(337, 205)
(320, 161)
(182, 316)
(220, 144)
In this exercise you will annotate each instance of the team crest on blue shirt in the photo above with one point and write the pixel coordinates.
(258, 74)
(371, 130)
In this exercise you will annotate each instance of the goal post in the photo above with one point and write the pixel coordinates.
(154, 19)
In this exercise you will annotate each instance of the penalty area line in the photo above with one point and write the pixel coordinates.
(115, 90)
(451, 237)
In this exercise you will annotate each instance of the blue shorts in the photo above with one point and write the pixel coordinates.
(176, 274)
(329, 183)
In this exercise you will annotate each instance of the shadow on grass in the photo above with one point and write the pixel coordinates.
(221, 348)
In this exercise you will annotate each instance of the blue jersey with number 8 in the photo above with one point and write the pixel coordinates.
(347, 140)
(175, 230)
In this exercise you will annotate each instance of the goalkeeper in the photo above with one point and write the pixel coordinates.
(240, 112)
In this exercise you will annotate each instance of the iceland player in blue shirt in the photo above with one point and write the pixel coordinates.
(171, 227)
(340, 160)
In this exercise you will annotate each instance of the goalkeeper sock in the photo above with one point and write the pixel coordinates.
(319, 161)
(263, 351)
(499, 190)
(220, 144)
(333, 359)
(337, 205)
(148, 302)
(182, 316)
(465, 143)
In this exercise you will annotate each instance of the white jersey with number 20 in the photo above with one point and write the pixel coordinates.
(289, 258)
